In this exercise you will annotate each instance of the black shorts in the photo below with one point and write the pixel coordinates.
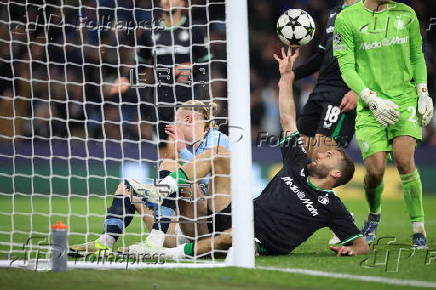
(220, 221)
(321, 115)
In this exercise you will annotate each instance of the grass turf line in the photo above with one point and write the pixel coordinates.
(312, 255)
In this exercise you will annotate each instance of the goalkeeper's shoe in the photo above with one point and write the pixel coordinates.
(419, 242)
(148, 191)
(369, 230)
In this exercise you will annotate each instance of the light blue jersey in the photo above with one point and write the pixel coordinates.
(212, 139)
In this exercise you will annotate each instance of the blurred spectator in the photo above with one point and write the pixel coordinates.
(58, 80)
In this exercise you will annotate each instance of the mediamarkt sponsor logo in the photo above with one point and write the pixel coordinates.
(301, 195)
(385, 42)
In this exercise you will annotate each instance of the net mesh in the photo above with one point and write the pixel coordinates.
(87, 88)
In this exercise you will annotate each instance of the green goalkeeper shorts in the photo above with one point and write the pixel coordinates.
(373, 137)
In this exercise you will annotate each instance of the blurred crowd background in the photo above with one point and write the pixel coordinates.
(56, 81)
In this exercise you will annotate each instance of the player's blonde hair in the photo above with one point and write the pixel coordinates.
(206, 110)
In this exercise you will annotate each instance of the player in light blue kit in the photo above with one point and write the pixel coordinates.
(193, 128)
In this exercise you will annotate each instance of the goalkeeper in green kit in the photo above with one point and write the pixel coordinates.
(378, 45)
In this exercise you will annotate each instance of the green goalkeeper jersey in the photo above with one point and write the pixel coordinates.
(381, 51)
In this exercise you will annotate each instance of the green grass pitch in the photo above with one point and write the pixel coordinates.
(385, 261)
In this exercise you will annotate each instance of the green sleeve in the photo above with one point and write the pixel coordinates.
(416, 56)
(343, 49)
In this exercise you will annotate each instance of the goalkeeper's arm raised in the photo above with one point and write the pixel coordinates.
(286, 95)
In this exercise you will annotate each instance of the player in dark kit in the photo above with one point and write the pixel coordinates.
(175, 56)
(177, 52)
(298, 201)
(328, 118)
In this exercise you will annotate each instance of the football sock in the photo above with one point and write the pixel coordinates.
(163, 222)
(188, 249)
(180, 252)
(412, 190)
(180, 176)
(119, 216)
(162, 225)
(374, 217)
(172, 181)
(418, 227)
(373, 196)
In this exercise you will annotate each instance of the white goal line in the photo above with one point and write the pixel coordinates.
(44, 265)
(377, 279)
(315, 273)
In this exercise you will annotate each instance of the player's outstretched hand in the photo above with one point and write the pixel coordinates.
(343, 251)
(425, 105)
(286, 61)
(349, 102)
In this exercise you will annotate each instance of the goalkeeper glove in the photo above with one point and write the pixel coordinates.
(425, 104)
(150, 192)
(385, 111)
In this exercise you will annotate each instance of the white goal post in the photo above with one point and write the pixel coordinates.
(238, 79)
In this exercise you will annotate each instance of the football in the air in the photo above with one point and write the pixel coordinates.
(295, 27)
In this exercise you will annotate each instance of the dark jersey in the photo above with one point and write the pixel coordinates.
(290, 209)
(329, 79)
(171, 52)
(167, 48)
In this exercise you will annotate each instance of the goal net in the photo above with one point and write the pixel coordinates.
(87, 90)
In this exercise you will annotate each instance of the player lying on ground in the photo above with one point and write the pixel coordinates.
(379, 48)
(193, 126)
(298, 201)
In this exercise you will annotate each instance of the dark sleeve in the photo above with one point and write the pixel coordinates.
(145, 46)
(200, 57)
(199, 49)
(314, 63)
(293, 153)
(342, 224)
